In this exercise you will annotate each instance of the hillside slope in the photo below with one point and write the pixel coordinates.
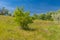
(45, 30)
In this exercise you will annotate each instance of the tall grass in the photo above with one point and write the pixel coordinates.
(45, 30)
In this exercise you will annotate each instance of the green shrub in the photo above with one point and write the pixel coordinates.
(22, 18)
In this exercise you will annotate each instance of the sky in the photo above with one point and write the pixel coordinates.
(34, 6)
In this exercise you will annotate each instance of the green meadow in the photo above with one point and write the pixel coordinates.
(44, 30)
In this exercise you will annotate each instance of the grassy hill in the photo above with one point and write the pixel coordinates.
(45, 30)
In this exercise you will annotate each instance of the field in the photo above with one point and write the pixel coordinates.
(45, 30)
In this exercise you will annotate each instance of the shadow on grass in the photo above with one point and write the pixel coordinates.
(26, 28)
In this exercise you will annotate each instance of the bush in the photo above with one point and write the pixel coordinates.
(22, 18)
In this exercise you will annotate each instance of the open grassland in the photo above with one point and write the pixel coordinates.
(45, 30)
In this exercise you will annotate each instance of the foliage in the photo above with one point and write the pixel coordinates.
(23, 18)
(4, 11)
(42, 16)
(35, 16)
(56, 16)
(46, 16)
(45, 30)
(10, 30)
(49, 16)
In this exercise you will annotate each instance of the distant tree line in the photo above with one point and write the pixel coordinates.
(4, 11)
(42, 16)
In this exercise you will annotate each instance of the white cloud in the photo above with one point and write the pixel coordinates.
(6, 5)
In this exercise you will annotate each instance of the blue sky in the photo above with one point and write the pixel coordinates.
(34, 6)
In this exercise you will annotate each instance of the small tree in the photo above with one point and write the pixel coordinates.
(48, 16)
(22, 18)
(35, 16)
(42, 16)
(4, 11)
(56, 16)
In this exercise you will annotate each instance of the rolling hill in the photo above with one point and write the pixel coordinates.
(45, 30)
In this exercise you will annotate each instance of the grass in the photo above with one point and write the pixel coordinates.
(45, 30)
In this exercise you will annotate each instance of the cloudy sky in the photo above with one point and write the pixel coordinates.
(34, 6)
